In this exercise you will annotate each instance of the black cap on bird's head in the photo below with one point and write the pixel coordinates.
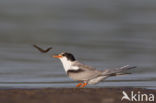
(69, 56)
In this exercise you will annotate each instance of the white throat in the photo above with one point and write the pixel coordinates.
(66, 63)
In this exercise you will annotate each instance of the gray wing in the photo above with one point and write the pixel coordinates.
(117, 71)
(83, 66)
(85, 72)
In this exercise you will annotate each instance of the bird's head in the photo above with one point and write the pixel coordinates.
(65, 56)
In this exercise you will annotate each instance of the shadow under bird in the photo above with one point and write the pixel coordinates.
(42, 50)
(87, 74)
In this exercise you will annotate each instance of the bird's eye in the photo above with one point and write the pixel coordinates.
(63, 54)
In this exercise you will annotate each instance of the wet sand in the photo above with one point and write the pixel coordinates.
(68, 95)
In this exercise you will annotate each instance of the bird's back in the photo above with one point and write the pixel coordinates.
(84, 72)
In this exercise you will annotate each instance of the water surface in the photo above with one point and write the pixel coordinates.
(103, 34)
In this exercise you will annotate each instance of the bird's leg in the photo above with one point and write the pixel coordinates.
(83, 85)
(78, 85)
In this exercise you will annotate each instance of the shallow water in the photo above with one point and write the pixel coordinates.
(103, 34)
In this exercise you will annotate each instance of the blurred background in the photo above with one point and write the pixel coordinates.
(103, 34)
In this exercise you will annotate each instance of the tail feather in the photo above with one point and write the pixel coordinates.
(118, 71)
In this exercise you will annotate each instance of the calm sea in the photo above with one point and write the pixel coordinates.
(103, 34)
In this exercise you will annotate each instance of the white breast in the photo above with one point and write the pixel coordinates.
(67, 64)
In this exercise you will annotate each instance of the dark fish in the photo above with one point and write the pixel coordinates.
(42, 50)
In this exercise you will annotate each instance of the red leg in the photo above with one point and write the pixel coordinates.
(83, 85)
(78, 85)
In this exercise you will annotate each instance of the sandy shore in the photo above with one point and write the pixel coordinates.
(68, 95)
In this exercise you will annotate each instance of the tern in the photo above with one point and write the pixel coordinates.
(87, 74)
